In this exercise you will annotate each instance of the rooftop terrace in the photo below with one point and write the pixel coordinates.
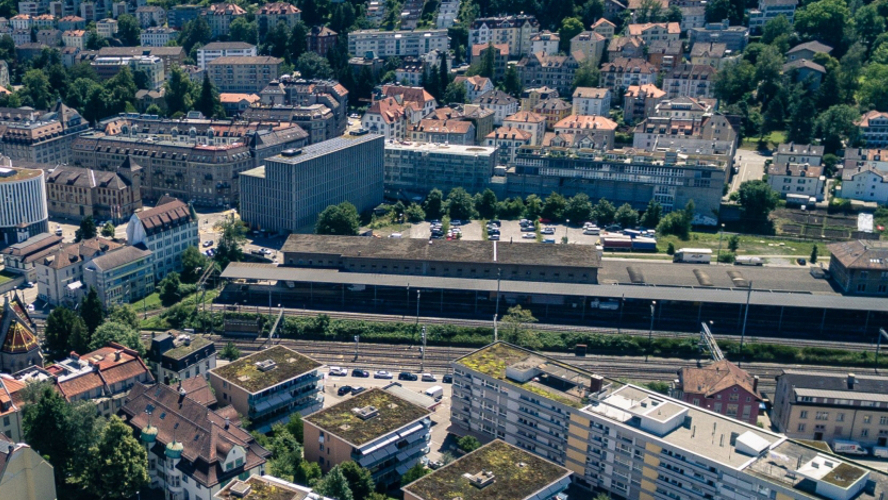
(245, 373)
(184, 349)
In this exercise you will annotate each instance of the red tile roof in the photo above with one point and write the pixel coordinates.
(715, 378)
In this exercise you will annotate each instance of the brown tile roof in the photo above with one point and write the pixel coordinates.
(408, 94)
(278, 8)
(590, 92)
(172, 212)
(495, 97)
(628, 65)
(860, 254)
(478, 82)
(111, 364)
(692, 72)
(16, 328)
(639, 29)
(804, 63)
(119, 257)
(197, 389)
(869, 115)
(10, 395)
(708, 49)
(526, 117)
(601, 22)
(85, 177)
(226, 9)
(388, 109)
(586, 122)
(227, 97)
(649, 89)
(456, 126)
(813, 46)
(552, 105)
(511, 133)
(715, 378)
(74, 387)
(477, 48)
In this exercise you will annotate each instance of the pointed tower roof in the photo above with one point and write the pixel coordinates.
(15, 328)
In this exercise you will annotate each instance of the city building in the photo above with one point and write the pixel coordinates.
(447, 12)
(825, 406)
(735, 38)
(157, 36)
(475, 85)
(166, 231)
(496, 470)
(114, 195)
(799, 153)
(236, 104)
(866, 182)
(397, 43)
(377, 430)
(19, 346)
(806, 71)
(689, 80)
(214, 50)
(270, 14)
(532, 123)
(545, 42)
(604, 28)
(386, 117)
(59, 272)
(591, 101)
(532, 97)
(411, 71)
(601, 130)
(40, 136)
(770, 9)
(629, 47)
(12, 403)
(860, 267)
(178, 356)
(721, 387)
(318, 106)
(290, 190)
(500, 57)
(107, 28)
(665, 55)
(150, 16)
(553, 110)
(107, 68)
(72, 23)
(219, 17)
(515, 31)
(193, 159)
(684, 108)
(874, 128)
(797, 181)
(506, 140)
(709, 54)
(169, 55)
(591, 44)
(74, 38)
(178, 15)
(270, 385)
(320, 39)
(556, 72)
(693, 13)
(24, 473)
(714, 135)
(24, 214)
(448, 132)
(653, 32)
(456, 258)
(244, 74)
(622, 73)
(121, 276)
(21, 258)
(501, 103)
(423, 102)
(50, 37)
(417, 168)
(482, 119)
(807, 50)
(260, 487)
(191, 449)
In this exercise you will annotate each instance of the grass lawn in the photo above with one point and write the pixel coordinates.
(6, 276)
(749, 244)
(772, 140)
(151, 303)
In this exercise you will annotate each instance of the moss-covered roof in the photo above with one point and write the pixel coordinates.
(244, 372)
(844, 475)
(394, 413)
(183, 350)
(263, 489)
(512, 480)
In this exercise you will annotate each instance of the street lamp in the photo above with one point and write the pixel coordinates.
(721, 232)
(567, 223)
(651, 331)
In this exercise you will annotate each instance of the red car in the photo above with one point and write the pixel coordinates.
(544, 221)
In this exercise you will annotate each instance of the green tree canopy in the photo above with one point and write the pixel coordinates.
(486, 204)
(468, 444)
(587, 75)
(92, 311)
(626, 216)
(579, 208)
(823, 20)
(194, 264)
(652, 214)
(312, 65)
(124, 314)
(112, 331)
(168, 289)
(517, 330)
(242, 30)
(118, 464)
(434, 204)
(208, 101)
(179, 91)
(414, 473)
(128, 30)
(230, 352)
(460, 204)
(360, 480)
(342, 219)
(334, 485)
(756, 199)
(554, 206)
(63, 328)
(837, 128)
(415, 213)
(570, 27)
(455, 93)
(604, 212)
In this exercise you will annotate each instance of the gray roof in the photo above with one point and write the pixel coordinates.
(325, 148)
(119, 257)
(831, 381)
(227, 46)
(813, 46)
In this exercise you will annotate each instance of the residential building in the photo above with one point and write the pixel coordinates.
(447, 12)
(599, 126)
(506, 140)
(24, 473)
(545, 42)
(178, 356)
(192, 450)
(214, 50)
(150, 16)
(169, 55)
(799, 153)
(21, 258)
(448, 132)
(19, 346)
(72, 23)
(121, 276)
(166, 231)
(24, 213)
(807, 50)
(423, 102)
(106, 28)
(859, 157)
(497, 469)
(874, 128)
(244, 74)
(630, 47)
(269, 15)
(377, 430)
(219, 17)
(258, 488)
(236, 104)
(59, 272)
(43, 21)
(291, 189)
(500, 57)
(865, 176)
(532, 123)
(714, 135)
(194, 159)
(51, 37)
(604, 27)
(269, 386)
(475, 85)
(158, 36)
(689, 80)
(482, 119)
(797, 181)
(721, 387)
(735, 38)
(652, 32)
(806, 71)
(591, 101)
(420, 167)
(12, 403)
(693, 13)
(411, 71)
(531, 97)
(397, 43)
(665, 54)
(21, 22)
(320, 39)
(770, 9)
(591, 44)
(860, 267)
(75, 193)
(457, 258)
(515, 31)
(317, 106)
(178, 15)
(375, 12)
(554, 110)
(709, 54)
(40, 136)
(557, 72)
(825, 406)
(30, 8)
(104, 376)
(623, 73)
(684, 108)
(501, 103)
(386, 117)
(153, 67)
(22, 39)
(74, 38)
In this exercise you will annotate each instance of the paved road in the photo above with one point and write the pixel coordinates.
(752, 167)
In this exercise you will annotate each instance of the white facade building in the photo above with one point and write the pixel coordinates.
(398, 43)
(591, 101)
(167, 230)
(212, 51)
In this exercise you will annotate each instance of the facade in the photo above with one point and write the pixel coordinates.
(456, 258)
(75, 39)
(806, 71)
(721, 387)
(449, 132)
(874, 128)
(709, 54)
(269, 386)
(397, 43)
(40, 136)
(623, 73)
(501, 103)
(24, 214)
(59, 272)
(654, 32)
(177, 356)
(827, 406)
(601, 129)
(377, 430)
(799, 179)
(270, 14)
(630, 47)
(591, 44)
(19, 346)
(422, 102)
(770, 9)
(12, 403)
(545, 42)
(807, 51)
(24, 473)
(556, 72)
(50, 37)
(386, 117)
(244, 74)
(689, 80)
(166, 231)
(532, 123)
(291, 189)
(214, 50)
(553, 110)
(735, 38)
(21, 258)
(684, 108)
(419, 168)
(475, 85)
(75, 193)
(859, 267)
(320, 39)
(318, 106)
(217, 450)
(108, 67)
(236, 104)
(107, 28)
(157, 36)
(532, 97)
(714, 135)
(591, 101)
(121, 276)
(866, 182)
(500, 57)
(515, 31)
(169, 55)
(220, 15)
(799, 153)
(665, 55)
(604, 27)
(150, 16)
(178, 15)
(506, 140)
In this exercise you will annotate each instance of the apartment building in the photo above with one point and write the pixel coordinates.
(709, 54)
(50, 37)
(75, 39)
(553, 110)
(420, 167)
(531, 97)
(157, 36)
(502, 104)
(546, 42)
(121, 276)
(423, 102)
(398, 43)
(874, 128)
(269, 386)
(59, 272)
(317, 106)
(684, 108)
(386, 117)
(735, 38)
(797, 181)
(556, 71)
(714, 135)
(377, 430)
(500, 57)
(178, 15)
(321, 39)
(269, 15)
(665, 55)
(150, 16)
(107, 28)
(807, 51)
(258, 488)
(808, 154)
(179, 356)
(770, 9)
(591, 44)
(532, 123)
(12, 402)
(21, 258)
(219, 17)
(591, 101)
(40, 136)
(214, 50)
(244, 74)
(623, 73)
(654, 32)
(721, 387)
(514, 31)
(75, 193)
(169, 55)
(24, 473)
(24, 213)
(456, 132)
(475, 85)
(166, 231)
(860, 267)
(72, 23)
(865, 183)
(601, 129)
(506, 140)
(689, 80)
(630, 47)
(153, 67)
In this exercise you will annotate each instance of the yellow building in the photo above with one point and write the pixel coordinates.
(24, 474)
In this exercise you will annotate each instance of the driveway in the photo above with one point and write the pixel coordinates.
(752, 168)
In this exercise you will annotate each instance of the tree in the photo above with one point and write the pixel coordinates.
(242, 30)
(334, 485)
(813, 258)
(455, 93)
(339, 219)
(652, 214)
(468, 444)
(295, 427)
(415, 213)
(307, 473)
(434, 204)
(822, 20)
(756, 199)
(287, 453)
(179, 90)
(604, 212)
(125, 315)
(62, 325)
(836, 126)
(516, 331)
(360, 480)
(570, 27)
(195, 32)
(585, 76)
(873, 92)
(868, 24)
(312, 65)
(769, 72)
(118, 464)
(208, 101)
(670, 249)
(776, 28)
(512, 82)
(414, 473)
(649, 11)
(36, 90)
(92, 311)
(486, 204)
(554, 206)
(733, 243)
(460, 205)
(802, 120)
(128, 30)
(168, 289)
(108, 230)
(298, 45)
(112, 331)
(734, 80)
(591, 11)
(230, 352)
(193, 264)
(626, 216)
(44, 423)
(579, 208)
(533, 207)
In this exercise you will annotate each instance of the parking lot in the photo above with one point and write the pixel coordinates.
(510, 231)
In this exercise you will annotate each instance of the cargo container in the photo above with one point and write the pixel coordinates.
(641, 244)
(611, 243)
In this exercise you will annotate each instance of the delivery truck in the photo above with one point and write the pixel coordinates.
(435, 392)
(612, 243)
(848, 447)
(693, 256)
(642, 244)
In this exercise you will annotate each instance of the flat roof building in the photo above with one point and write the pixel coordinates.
(419, 168)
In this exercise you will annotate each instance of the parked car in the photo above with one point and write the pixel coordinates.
(436, 464)
(456, 223)
(338, 371)
(357, 390)
(408, 376)
(357, 372)
(346, 389)
(58, 231)
(494, 237)
(382, 374)
(447, 379)
(592, 231)
(256, 252)
(208, 243)
(428, 377)
(801, 261)
(495, 221)
(529, 236)
(548, 230)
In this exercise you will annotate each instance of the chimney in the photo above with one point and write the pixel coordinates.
(117, 355)
(851, 381)
(227, 423)
(755, 384)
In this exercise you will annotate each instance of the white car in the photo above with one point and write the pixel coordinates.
(529, 236)
(493, 237)
(548, 230)
(591, 230)
(337, 371)
(382, 374)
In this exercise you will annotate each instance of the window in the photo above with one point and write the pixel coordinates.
(801, 428)
(883, 420)
(803, 414)
(822, 415)
(864, 433)
(867, 418)
(840, 417)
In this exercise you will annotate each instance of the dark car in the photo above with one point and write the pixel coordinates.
(357, 390)
(447, 379)
(357, 372)
(408, 376)
(344, 390)
(801, 261)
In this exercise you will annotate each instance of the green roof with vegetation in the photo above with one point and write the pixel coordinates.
(244, 372)
(517, 474)
(394, 413)
(844, 475)
(261, 489)
(184, 350)
(820, 445)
